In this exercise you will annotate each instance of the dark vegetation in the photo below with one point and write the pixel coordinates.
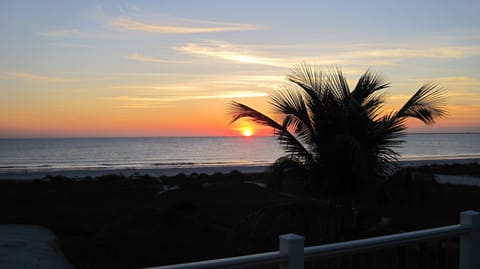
(130, 222)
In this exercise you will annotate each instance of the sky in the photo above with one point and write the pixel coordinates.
(171, 68)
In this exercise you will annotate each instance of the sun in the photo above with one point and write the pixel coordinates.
(247, 132)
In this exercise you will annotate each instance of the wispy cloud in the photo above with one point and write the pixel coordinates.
(80, 34)
(170, 88)
(154, 95)
(60, 33)
(204, 85)
(180, 26)
(143, 58)
(403, 51)
(454, 83)
(462, 89)
(245, 54)
(374, 54)
(263, 82)
(232, 52)
(460, 81)
(458, 90)
(29, 76)
(68, 45)
(129, 7)
(155, 101)
(135, 102)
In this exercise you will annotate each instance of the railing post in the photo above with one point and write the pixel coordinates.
(469, 257)
(292, 245)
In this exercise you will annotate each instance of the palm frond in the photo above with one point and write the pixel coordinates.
(312, 82)
(392, 129)
(426, 104)
(300, 130)
(366, 94)
(373, 105)
(388, 132)
(337, 85)
(238, 111)
(292, 104)
(288, 141)
(368, 84)
(292, 147)
(307, 77)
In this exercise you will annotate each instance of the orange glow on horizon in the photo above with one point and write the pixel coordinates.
(247, 132)
(247, 128)
(104, 119)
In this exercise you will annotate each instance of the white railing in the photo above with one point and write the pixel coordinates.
(292, 254)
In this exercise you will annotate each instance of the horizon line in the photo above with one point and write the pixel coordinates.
(193, 136)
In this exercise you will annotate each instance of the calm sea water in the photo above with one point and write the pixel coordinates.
(173, 152)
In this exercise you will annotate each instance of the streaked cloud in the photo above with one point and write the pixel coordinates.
(230, 87)
(143, 58)
(129, 7)
(154, 87)
(212, 83)
(453, 84)
(375, 54)
(155, 101)
(460, 81)
(134, 102)
(81, 34)
(180, 26)
(68, 45)
(458, 91)
(461, 89)
(403, 51)
(29, 76)
(232, 52)
(266, 81)
(60, 33)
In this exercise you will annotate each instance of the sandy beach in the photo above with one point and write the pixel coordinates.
(156, 172)
(209, 170)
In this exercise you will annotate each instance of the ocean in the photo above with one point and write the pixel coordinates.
(64, 154)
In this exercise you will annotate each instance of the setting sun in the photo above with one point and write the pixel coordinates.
(247, 132)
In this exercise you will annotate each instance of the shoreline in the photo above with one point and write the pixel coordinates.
(156, 172)
(439, 161)
(172, 171)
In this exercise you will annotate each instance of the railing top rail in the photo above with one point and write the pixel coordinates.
(387, 241)
(274, 257)
(329, 250)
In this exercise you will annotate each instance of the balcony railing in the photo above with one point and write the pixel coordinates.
(292, 254)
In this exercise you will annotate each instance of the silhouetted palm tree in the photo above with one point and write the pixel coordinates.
(342, 137)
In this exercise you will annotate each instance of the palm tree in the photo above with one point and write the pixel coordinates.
(341, 136)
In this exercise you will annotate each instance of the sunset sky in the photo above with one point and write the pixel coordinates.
(167, 68)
